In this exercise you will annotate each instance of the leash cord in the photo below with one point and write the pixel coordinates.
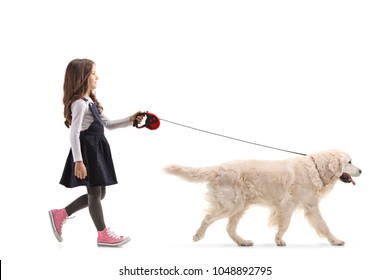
(232, 138)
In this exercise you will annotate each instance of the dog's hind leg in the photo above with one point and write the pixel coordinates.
(313, 215)
(215, 213)
(202, 229)
(232, 227)
(207, 221)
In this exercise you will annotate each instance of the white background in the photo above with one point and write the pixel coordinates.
(298, 75)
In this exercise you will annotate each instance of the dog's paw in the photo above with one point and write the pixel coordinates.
(279, 241)
(245, 243)
(337, 242)
(196, 237)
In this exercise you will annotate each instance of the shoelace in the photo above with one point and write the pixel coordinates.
(112, 234)
(67, 218)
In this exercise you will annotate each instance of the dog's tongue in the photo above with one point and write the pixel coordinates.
(346, 178)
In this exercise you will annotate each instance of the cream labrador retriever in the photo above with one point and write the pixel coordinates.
(283, 186)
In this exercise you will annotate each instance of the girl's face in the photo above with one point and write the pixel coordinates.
(92, 79)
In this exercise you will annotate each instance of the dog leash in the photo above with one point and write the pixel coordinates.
(153, 122)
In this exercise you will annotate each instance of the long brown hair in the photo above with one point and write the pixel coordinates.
(76, 85)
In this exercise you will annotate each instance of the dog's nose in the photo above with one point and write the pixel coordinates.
(360, 171)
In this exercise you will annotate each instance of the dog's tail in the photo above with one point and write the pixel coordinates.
(193, 174)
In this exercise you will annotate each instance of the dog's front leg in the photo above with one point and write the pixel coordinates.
(313, 214)
(281, 217)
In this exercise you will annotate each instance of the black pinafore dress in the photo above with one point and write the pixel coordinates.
(96, 155)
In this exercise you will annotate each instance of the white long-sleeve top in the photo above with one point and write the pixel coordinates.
(82, 118)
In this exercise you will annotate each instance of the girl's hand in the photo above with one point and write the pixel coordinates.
(139, 118)
(80, 170)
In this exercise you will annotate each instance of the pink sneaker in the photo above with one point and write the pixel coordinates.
(109, 238)
(58, 218)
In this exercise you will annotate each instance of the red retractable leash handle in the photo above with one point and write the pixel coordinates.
(152, 122)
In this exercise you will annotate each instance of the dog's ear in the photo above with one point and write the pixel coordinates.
(314, 175)
(335, 166)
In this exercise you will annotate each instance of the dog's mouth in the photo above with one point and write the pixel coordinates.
(346, 178)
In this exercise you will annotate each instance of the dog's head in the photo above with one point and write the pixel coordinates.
(335, 164)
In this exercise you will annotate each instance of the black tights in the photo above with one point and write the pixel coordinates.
(93, 200)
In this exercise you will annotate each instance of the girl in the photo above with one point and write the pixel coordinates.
(89, 162)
